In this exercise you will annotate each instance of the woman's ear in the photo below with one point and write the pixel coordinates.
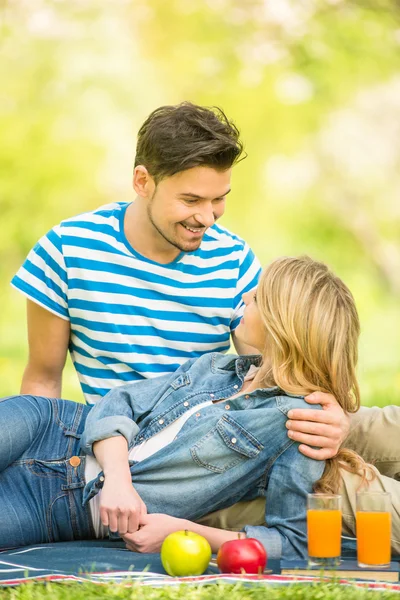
(143, 183)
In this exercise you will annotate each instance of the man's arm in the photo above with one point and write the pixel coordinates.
(48, 338)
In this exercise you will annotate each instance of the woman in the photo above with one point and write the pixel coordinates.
(200, 439)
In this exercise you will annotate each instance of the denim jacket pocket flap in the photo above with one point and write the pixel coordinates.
(180, 381)
(225, 446)
(238, 438)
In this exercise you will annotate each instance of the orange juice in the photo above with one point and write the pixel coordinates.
(373, 537)
(324, 528)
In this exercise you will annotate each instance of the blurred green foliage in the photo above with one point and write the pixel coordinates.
(314, 87)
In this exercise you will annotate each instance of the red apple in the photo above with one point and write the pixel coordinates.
(246, 555)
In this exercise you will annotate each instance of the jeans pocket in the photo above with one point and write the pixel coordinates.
(225, 446)
(47, 469)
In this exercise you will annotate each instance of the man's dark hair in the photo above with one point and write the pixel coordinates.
(176, 138)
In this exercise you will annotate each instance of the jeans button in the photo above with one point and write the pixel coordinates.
(74, 461)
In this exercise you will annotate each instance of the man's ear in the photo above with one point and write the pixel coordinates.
(143, 183)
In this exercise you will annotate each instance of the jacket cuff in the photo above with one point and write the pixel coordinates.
(270, 539)
(106, 428)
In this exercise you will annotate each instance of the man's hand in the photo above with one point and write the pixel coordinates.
(153, 531)
(326, 429)
(121, 507)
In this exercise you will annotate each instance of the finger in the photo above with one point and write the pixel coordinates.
(135, 548)
(317, 454)
(136, 538)
(133, 523)
(314, 428)
(104, 516)
(312, 440)
(143, 518)
(122, 524)
(320, 398)
(127, 537)
(132, 547)
(305, 414)
(112, 521)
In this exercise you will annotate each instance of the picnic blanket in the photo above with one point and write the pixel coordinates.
(103, 561)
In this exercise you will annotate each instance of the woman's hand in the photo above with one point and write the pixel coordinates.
(121, 507)
(153, 531)
(326, 429)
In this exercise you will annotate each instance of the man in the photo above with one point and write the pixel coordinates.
(133, 290)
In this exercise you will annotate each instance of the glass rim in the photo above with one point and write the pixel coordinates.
(322, 495)
(373, 493)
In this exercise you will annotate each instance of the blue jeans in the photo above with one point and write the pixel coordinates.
(40, 485)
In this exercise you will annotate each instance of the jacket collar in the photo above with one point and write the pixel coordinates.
(238, 364)
(241, 364)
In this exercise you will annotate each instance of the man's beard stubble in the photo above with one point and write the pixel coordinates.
(166, 238)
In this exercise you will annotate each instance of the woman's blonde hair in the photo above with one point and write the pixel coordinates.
(312, 336)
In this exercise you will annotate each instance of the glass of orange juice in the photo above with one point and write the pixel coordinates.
(373, 528)
(324, 528)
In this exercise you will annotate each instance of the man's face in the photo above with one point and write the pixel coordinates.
(184, 205)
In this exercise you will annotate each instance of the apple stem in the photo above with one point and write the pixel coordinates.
(186, 532)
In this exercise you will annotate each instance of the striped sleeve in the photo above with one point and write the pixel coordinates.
(249, 273)
(43, 276)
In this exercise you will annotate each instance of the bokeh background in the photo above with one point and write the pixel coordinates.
(314, 87)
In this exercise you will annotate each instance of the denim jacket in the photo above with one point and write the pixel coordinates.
(229, 451)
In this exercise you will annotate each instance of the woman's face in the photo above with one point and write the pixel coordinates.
(251, 329)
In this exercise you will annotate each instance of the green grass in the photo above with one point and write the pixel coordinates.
(318, 591)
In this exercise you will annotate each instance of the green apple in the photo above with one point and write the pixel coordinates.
(185, 553)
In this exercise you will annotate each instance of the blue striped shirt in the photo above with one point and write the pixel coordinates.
(132, 318)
